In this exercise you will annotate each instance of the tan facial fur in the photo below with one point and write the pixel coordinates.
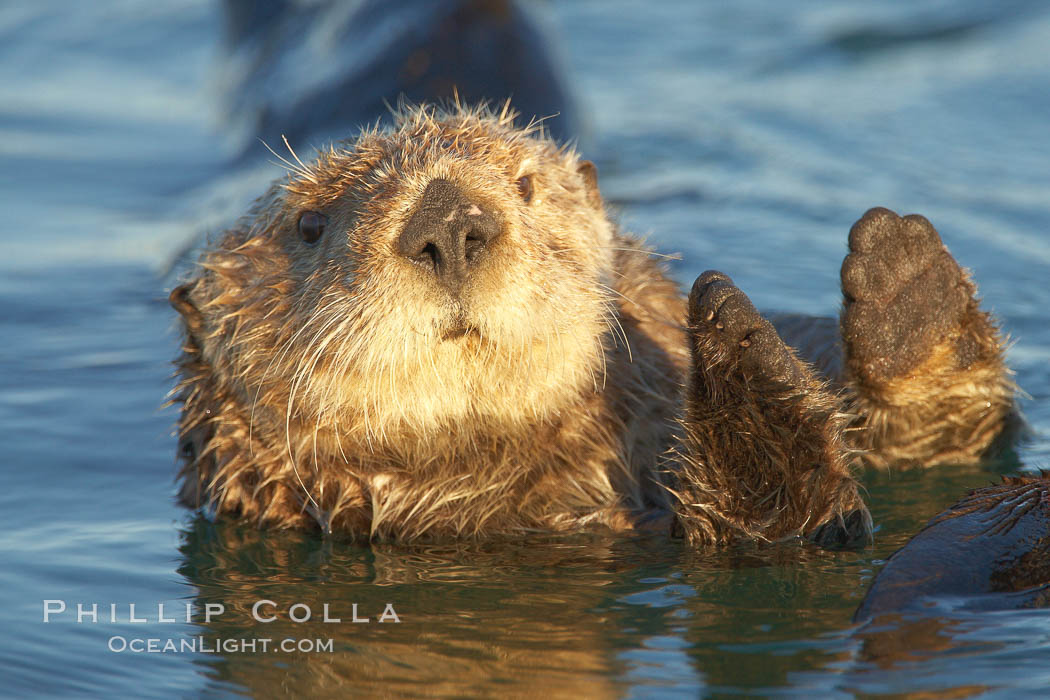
(373, 344)
(356, 360)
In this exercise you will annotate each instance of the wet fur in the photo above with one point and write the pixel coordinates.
(333, 386)
(764, 461)
(318, 385)
(949, 409)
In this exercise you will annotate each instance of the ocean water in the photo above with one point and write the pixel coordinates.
(746, 136)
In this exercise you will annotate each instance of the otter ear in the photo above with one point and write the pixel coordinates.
(180, 301)
(589, 173)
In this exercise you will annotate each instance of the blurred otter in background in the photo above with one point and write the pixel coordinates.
(377, 52)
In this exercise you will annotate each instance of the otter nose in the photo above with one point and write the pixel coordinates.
(447, 233)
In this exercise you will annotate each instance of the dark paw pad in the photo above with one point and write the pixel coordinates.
(903, 292)
(849, 531)
(727, 328)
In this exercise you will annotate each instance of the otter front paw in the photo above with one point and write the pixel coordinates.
(904, 294)
(761, 454)
(730, 337)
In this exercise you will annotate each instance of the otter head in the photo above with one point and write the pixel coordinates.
(448, 274)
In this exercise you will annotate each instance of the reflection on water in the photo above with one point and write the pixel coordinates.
(921, 651)
(574, 616)
(580, 616)
(499, 618)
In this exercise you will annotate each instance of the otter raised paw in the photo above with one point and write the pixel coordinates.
(762, 453)
(728, 330)
(923, 360)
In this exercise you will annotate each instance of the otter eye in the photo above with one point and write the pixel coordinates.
(312, 225)
(525, 187)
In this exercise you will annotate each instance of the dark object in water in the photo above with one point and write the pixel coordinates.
(319, 70)
(992, 548)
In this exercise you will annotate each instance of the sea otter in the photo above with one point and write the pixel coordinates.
(436, 330)
(368, 54)
(991, 550)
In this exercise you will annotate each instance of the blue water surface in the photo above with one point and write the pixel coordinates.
(746, 136)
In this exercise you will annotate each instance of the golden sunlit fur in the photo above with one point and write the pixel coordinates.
(338, 385)
(951, 409)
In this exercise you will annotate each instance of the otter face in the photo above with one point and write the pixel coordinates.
(452, 271)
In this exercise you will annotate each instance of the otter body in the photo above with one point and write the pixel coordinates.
(991, 550)
(435, 330)
(375, 52)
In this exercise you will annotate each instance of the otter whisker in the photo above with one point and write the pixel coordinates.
(288, 165)
(285, 346)
(616, 318)
(303, 167)
(296, 383)
(642, 251)
(612, 317)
